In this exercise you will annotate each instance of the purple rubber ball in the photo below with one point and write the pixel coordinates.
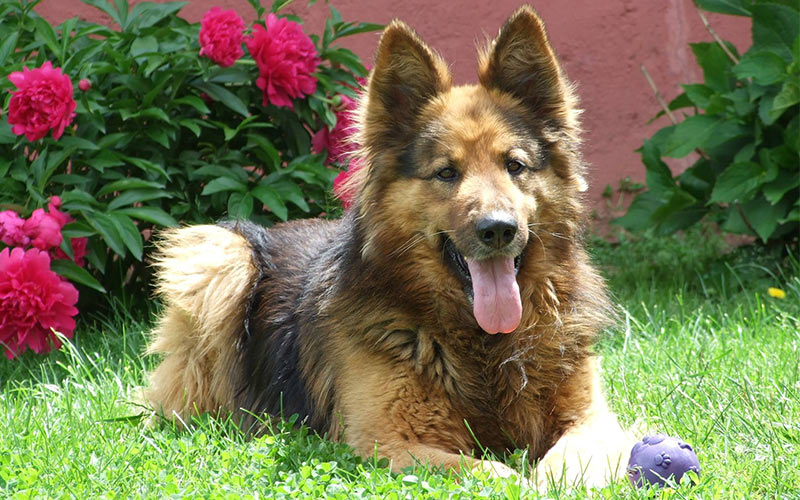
(657, 458)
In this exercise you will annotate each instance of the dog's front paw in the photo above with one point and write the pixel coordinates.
(499, 470)
(496, 469)
(572, 470)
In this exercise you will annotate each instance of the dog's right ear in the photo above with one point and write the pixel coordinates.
(521, 62)
(407, 74)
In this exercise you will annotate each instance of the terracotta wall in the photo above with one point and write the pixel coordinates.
(602, 44)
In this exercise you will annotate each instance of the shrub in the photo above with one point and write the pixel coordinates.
(744, 129)
(154, 134)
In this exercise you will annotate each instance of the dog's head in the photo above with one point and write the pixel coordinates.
(476, 177)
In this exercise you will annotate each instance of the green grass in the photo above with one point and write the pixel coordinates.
(700, 351)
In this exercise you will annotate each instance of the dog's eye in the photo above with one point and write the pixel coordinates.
(447, 174)
(515, 167)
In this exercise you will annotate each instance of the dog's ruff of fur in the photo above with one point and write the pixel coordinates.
(364, 326)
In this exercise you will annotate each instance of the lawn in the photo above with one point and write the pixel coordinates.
(701, 350)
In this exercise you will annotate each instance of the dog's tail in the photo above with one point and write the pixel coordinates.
(205, 275)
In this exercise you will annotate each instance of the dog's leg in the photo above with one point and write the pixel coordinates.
(388, 412)
(593, 451)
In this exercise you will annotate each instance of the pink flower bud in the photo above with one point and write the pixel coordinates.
(84, 84)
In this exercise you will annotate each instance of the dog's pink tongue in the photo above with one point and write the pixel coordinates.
(497, 306)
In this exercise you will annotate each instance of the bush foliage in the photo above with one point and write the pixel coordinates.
(161, 135)
(744, 129)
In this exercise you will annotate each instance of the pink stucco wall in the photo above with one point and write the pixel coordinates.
(602, 45)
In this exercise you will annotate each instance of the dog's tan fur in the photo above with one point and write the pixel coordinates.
(360, 326)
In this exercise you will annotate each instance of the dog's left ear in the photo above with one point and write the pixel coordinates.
(521, 62)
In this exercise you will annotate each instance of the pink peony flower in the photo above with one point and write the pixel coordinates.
(52, 206)
(43, 102)
(338, 141)
(84, 84)
(78, 251)
(221, 36)
(341, 187)
(44, 228)
(33, 299)
(340, 145)
(11, 229)
(286, 59)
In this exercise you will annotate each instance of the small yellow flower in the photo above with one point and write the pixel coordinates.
(776, 292)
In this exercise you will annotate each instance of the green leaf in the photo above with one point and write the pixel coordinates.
(278, 5)
(270, 198)
(289, 191)
(192, 101)
(698, 180)
(765, 105)
(715, 63)
(77, 229)
(345, 57)
(733, 7)
(145, 165)
(272, 156)
(67, 27)
(659, 176)
(775, 27)
(240, 205)
(224, 96)
(144, 45)
(764, 216)
(6, 135)
(75, 274)
(792, 216)
(786, 181)
(7, 47)
(786, 98)
(122, 11)
(191, 125)
(690, 134)
(154, 215)
(791, 135)
(223, 184)
(132, 196)
(77, 197)
(107, 229)
(639, 214)
(764, 67)
(230, 75)
(47, 34)
(129, 233)
(156, 113)
(146, 14)
(158, 135)
(353, 29)
(699, 94)
(737, 182)
(78, 143)
(105, 7)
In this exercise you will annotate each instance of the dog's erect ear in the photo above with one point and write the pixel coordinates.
(521, 62)
(407, 74)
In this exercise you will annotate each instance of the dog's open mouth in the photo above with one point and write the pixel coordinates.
(493, 286)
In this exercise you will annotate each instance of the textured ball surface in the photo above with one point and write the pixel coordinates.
(657, 458)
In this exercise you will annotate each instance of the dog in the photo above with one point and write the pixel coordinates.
(452, 309)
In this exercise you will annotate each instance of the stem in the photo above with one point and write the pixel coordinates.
(659, 97)
(664, 104)
(746, 221)
(717, 38)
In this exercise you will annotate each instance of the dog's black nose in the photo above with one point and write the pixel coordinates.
(496, 230)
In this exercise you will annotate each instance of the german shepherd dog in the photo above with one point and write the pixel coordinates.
(452, 310)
